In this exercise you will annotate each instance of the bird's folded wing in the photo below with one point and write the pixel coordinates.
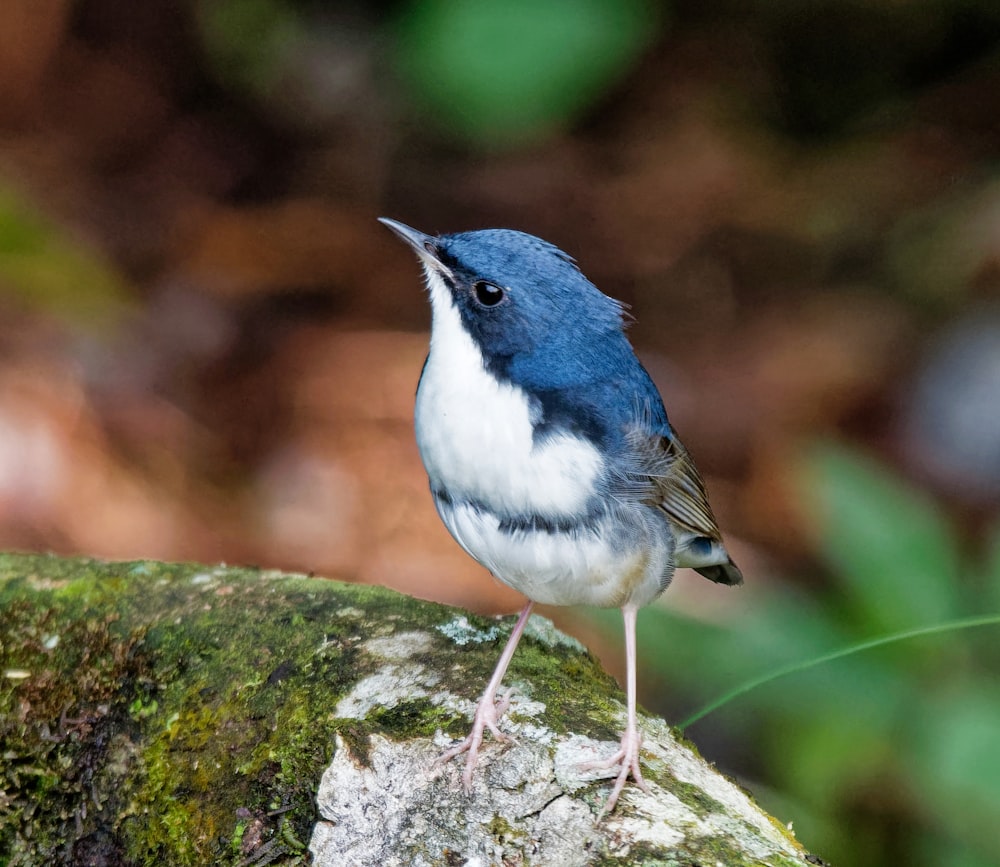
(674, 485)
(681, 492)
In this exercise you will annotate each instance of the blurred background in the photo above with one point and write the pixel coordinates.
(209, 348)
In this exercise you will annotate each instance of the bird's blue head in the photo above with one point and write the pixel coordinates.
(539, 324)
(534, 316)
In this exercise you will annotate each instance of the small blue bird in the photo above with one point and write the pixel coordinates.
(549, 454)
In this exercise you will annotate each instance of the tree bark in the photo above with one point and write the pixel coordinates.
(156, 713)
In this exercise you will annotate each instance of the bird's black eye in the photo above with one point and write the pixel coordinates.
(487, 294)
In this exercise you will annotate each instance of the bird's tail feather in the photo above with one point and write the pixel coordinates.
(722, 573)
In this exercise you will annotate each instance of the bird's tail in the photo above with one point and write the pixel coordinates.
(722, 573)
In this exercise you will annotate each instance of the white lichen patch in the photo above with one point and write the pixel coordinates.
(544, 630)
(278, 575)
(43, 583)
(394, 682)
(386, 688)
(662, 821)
(462, 632)
(521, 703)
(454, 703)
(210, 576)
(535, 733)
(400, 645)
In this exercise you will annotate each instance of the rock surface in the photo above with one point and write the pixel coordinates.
(179, 714)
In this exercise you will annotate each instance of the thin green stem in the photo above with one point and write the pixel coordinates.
(792, 668)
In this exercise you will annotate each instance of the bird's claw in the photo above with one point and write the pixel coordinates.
(487, 716)
(628, 757)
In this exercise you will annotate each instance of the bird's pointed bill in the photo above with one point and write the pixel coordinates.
(424, 245)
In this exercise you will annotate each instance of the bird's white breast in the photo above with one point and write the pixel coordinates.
(475, 433)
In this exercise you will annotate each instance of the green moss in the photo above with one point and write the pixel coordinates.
(62, 724)
(215, 715)
(715, 850)
(505, 834)
(239, 832)
(695, 798)
(416, 718)
(560, 677)
(701, 852)
(356, 738)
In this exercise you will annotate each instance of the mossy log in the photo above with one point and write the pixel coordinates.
(166, 714)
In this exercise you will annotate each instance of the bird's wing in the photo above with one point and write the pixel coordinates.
(675, 487)
(682, 492)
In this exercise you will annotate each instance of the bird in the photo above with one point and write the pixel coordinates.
(548, 451)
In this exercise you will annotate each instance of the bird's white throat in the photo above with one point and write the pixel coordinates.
(476, 434)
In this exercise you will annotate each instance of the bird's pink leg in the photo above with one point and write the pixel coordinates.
(628, 752)
(489, 710)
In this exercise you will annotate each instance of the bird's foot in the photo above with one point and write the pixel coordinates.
(628, 757)
(488, 713)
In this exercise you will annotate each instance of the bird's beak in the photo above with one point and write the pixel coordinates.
(425, 246)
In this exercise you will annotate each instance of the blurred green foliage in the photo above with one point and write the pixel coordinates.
(496, 74)
(248, 42)
(890, 756)
(502, 73)
(895, 557)
(43, 267)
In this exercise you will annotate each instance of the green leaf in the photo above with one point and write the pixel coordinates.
(889, 546)
(501, 73)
